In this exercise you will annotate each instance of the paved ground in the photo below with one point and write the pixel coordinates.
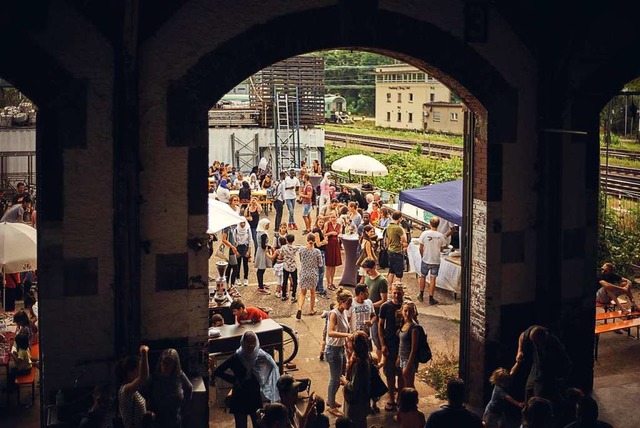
(616, 385)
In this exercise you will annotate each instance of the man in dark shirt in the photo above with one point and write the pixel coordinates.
(550, 364)
(389, 321)
(20, 195)
(612, 285)
(454, 414)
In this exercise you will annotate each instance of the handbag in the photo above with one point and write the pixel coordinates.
(383, 258)
(378, 388)
(233, 260)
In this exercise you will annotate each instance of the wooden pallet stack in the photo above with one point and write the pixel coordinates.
(304, 73)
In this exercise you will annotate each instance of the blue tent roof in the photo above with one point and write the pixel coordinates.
(443, 200)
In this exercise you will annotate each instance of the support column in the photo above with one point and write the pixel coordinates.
(126, 187)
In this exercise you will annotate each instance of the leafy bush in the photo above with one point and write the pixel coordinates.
(443, 367)
(406, 169)
(619, 234)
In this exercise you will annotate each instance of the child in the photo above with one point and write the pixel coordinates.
(21, 359)
(290, 268)
(325, 315)
(278, 266)
(408, 415)
(217, 320)
(321, 420)
(494, 412)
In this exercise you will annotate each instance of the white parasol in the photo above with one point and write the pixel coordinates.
(360, 165)
(18, 249)
(221, 215)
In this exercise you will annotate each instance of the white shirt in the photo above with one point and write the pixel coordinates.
(433, 242)
(223, 194)
(237, 183)
(293, 183)
(359, 314)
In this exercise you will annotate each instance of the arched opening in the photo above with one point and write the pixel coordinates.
(202, 90)
(245, 127)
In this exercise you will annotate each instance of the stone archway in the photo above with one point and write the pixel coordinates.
(480, 85)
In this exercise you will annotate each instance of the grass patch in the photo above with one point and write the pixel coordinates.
(629, 163)
(368, 127)
(443, 367)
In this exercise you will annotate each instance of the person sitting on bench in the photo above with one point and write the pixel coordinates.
(246, 315)
(613, 285)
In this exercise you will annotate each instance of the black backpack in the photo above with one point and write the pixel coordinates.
(424, 350)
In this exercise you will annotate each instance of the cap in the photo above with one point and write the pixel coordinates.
(287, 383)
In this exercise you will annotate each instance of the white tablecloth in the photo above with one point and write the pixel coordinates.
(449, 275)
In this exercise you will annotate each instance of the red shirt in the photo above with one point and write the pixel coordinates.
(308, 190)
(12, 280)
(253, 315)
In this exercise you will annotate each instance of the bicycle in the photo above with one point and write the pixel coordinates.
(289, 340)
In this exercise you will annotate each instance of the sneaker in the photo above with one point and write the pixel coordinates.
(278, 294)
(299, 315)
(323, 295)
(285, 298)
(294, 299)
(246, 282)
(433, 301)
(263, 291)
(420, 297)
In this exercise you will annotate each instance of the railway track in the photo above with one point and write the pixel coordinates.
(619, 181)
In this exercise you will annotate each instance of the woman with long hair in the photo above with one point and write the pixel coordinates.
(384, 219)
(310, 262)
(253, 375)
(407, 361)
(170, 391)
(336, 339)
(325, 192)
(367, 250)
(320, 244)
(357, 381)
(132, 374)
(244, 194)
(262, 237)
(315, 167)
(266, 182)
(333, 257)
(252, 214)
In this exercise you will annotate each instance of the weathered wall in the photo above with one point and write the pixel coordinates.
(534, 191)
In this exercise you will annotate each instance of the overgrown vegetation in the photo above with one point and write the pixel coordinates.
(406, 169)
(443, 367)
(619, 234)
(368, 127)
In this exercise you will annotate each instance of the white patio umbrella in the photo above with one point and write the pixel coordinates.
(221, 215)
(360, 165)
(18, 247)
(18, 250)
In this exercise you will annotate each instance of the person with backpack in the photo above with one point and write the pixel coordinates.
(412, 338)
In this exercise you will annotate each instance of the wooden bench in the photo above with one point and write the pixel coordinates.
(606, 316)
(27, 379)
(615, 326)
(609, 307)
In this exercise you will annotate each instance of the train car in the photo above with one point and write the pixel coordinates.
(335, 109)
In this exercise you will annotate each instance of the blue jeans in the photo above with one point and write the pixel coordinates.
(320, 286)
(254, 237)
(335, 357)
(291, 205)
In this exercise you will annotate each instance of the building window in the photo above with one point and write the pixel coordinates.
(388, 116)
(399, 117)
(410, 117)
(421, 77)
(388, 97)
(399, 97)
(432, 97)
(436, 116)
(454, 117)
(410, 98)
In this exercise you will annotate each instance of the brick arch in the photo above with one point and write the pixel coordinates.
(452, 61)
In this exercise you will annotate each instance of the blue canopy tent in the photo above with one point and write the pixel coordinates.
(443, 200)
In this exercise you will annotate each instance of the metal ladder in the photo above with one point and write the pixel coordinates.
(285, 134)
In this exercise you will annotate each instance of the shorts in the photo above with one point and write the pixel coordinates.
(603, 297)
(426, 269)
(396, 264)
(374, 334)
(390, 369)
(306, 210)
